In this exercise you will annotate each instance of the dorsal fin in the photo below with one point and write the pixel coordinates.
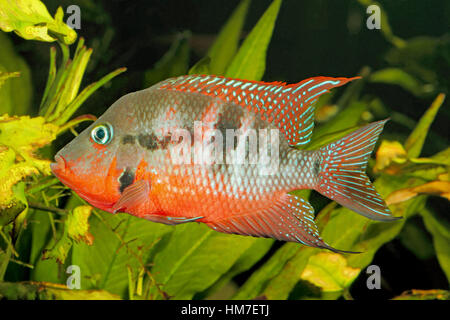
(289, 107)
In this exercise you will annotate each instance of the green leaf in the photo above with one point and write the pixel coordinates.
(250, 257)
(194, 259)
(202, 67)
(120, 241)
(253, 287)
(49, 291)
(401, 78)
(440, 230)
(31, 20)
(15, 94)
(416, 240)
(416, 139)
(225, 46)
(68, 110)
(6, 75)
(281, 285)
(253, 254)
(60, 250)
(174, 62)
(45, 233)
(443, 156)
(6, 250)
(250, 61)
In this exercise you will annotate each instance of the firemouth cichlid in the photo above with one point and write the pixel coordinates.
(146, 156)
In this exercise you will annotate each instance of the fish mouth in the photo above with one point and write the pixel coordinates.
(59, 167)
(62, 171)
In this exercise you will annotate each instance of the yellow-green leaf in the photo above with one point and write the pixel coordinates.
(31, 20)
(78, 225)
(25, 134)
(329, 271)
(10, 174)
(19, 139)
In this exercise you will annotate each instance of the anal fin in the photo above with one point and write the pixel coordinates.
(290, 218)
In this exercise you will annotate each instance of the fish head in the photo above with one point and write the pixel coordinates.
(93, 163)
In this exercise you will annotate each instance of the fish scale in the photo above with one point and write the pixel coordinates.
(136, 170)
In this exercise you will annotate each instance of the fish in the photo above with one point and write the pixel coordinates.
(146, 156)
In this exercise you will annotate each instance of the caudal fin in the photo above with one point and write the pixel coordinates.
(342, 173)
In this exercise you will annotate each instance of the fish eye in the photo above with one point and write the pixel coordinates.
(102, 134)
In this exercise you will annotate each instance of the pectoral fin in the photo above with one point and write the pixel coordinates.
(136, 193)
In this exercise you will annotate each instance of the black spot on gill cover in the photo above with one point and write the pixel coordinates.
(126, 179)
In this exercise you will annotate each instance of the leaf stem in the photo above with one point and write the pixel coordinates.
(39, 206)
